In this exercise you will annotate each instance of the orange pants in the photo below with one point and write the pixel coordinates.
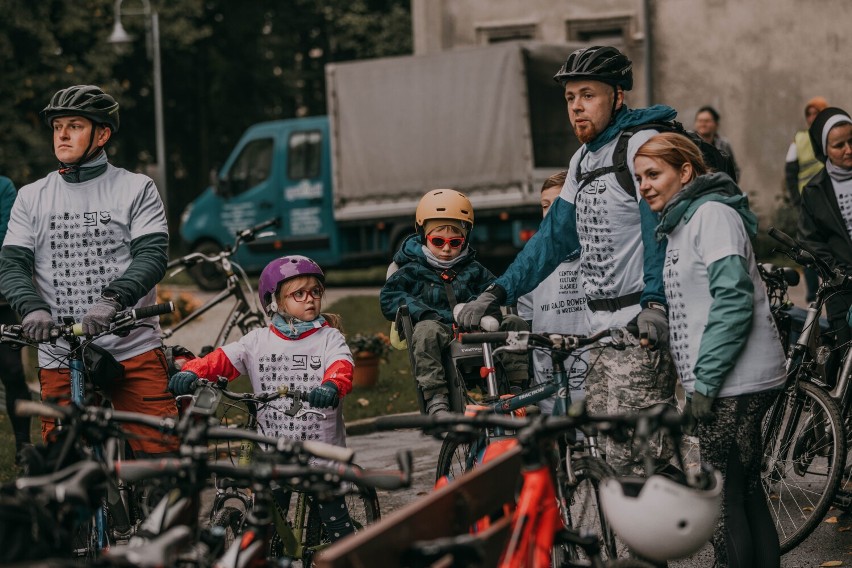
(143, 389)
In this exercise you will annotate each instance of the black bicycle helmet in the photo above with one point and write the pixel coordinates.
(83, 100)
(605, 64)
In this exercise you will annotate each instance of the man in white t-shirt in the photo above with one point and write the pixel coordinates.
(85, 242)
(613, 228)
(557, 305)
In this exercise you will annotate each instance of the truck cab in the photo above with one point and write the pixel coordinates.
(278, 169)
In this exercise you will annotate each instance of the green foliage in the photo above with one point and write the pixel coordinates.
(225, 65)
(378, 344)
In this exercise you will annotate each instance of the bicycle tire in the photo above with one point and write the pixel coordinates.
(800, 476)
(455, 459)
(363, 505)
(580, 507)
(231, 519)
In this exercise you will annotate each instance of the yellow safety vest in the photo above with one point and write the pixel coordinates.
(809, 166)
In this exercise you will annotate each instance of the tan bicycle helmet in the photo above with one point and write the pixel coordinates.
(444, 204)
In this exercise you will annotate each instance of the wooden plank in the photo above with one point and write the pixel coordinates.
(446, 512)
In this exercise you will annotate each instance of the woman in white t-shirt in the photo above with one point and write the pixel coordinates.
(721, 332)
(301, 350)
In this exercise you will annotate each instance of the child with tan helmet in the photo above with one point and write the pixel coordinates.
(437, 269)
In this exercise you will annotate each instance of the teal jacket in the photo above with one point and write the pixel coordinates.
(731, 287)
(420, 286)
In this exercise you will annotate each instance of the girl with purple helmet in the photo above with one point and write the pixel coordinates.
(299, 349)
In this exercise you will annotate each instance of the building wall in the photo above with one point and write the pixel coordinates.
(756, 62)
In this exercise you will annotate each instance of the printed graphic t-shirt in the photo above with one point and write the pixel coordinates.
(608, 226)
(558, 305)
(714, 232)
(271, 360)
(80, 235)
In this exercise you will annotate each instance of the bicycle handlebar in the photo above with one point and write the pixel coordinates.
(806, 256)
(524, 340)
(138, 470)
(661, 416)
(243, 236)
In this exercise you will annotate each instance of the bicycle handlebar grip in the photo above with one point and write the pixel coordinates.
(329, 451)
(33, 408)
(484, 337)
(139, 470)
(782, 237)
(248, 234)
(153, 310)
(403, 422)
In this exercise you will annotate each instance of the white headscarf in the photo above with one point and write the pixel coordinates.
(836, 173)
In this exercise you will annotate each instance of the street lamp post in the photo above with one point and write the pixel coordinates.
(152, 45)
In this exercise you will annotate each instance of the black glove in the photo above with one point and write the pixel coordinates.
(324, 396)
(100, 315)
(37, 325)
(653, 324)
(702, 407)
(487, 303)
(182, 382)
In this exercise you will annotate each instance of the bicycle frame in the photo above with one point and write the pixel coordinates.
(240, 315)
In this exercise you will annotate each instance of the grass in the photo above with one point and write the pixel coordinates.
(393, 393)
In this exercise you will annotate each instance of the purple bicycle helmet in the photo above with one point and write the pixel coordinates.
(283, 269)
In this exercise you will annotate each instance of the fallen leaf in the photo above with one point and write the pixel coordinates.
(831, 563)
(831, 520)
(844, 529)
(363, 402)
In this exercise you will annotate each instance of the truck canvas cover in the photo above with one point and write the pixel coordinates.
(459, 119)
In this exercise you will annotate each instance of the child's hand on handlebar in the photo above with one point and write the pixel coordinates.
(324, 396)
(182, 382)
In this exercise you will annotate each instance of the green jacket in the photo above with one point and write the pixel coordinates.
(420, 286)
(730, 317)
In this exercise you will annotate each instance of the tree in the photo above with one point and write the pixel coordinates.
(225, 65)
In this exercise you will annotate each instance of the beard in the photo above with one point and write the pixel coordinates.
(585, 132)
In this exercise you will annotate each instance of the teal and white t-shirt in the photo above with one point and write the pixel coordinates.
(80, 235)
(609, 229)
(714, 232)
(558, 305)
(271, 361)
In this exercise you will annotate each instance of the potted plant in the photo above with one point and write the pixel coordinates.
(367, 350)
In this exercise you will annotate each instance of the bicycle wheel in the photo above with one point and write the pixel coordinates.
(804, 453)
(455, 457)
(581, 511)
(363, 506)
(231, 520)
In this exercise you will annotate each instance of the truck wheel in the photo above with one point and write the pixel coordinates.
(208, 276)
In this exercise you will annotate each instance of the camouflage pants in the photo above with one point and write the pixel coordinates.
(623, 381)
(745, 534)
(430, 340)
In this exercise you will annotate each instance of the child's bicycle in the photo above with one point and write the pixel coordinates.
(298, 533)
(661, 518)
(244, 315)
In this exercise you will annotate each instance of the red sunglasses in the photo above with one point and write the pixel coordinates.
(439, 242)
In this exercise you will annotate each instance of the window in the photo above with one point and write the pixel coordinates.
(494, 33)
(252, 167)
(614, 29)
(305, 151)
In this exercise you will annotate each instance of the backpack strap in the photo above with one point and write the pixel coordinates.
(619, 156)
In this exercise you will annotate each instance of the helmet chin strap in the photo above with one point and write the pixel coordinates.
(74, 169)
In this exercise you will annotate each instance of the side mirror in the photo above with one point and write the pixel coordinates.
(221, 185)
